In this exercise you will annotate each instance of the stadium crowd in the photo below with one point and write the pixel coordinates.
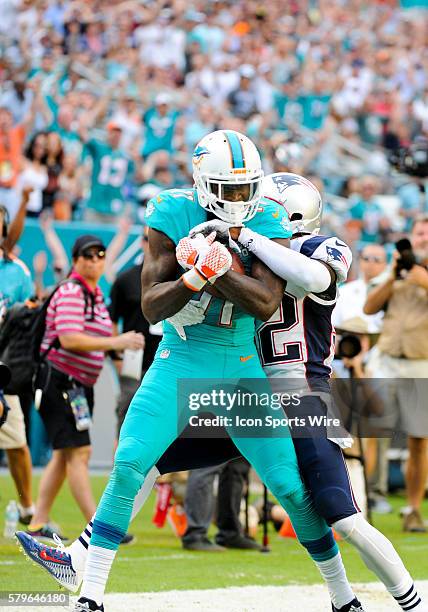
(101, 103)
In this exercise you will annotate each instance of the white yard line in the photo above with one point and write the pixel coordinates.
(310, 598)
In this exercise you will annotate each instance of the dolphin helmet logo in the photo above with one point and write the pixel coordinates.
(198, 154)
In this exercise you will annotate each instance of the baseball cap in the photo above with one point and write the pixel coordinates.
(113, 125)
(163, 98)
(192, 15)
(85, 242)
(247, 71)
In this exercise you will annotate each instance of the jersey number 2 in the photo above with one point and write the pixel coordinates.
(274, 334)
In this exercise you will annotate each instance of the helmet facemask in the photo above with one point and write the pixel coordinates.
(233, 200)
(299, 225)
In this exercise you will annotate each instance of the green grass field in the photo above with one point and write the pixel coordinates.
(156, 562)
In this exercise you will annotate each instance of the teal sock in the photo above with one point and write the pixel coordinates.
(115, 508)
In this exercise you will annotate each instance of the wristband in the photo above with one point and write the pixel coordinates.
(248, 239)
(194, 280)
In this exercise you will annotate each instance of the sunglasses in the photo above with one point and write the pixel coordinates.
(100, 254)
(372, 258)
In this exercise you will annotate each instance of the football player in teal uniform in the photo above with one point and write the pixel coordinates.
(228, 177)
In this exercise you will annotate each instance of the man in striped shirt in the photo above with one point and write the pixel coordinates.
(78, 334)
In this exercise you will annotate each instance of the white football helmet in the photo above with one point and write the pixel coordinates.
(228, 175)
(300, 198)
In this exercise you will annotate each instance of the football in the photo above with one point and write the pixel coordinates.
(237, 266)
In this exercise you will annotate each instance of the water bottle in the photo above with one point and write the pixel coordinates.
(11, 519)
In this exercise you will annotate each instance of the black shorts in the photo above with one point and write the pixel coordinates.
(57, 415)
(321, 463)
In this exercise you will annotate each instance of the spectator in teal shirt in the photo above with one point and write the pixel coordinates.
(414, 201)
(201, 123)
(374, 225)
(15, 281)
(288, 103)
(61, 119)
(315, 104)
(159, 122)
(112, 169)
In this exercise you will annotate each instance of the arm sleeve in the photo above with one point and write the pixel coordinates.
(311, 275)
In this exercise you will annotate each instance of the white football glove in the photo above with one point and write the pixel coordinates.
(191, 314)
(222, 232)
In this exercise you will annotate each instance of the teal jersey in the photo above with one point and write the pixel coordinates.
(159, 131)
(15, 282)
(290, 110)
(111, 169)
(315, 110)
(175, 213)
(371, 214)
(69, 138)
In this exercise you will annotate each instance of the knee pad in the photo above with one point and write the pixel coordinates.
(135, 452)
(130, 468)
(333, 504)
(344, 527)
(128, 478)
(281, 482)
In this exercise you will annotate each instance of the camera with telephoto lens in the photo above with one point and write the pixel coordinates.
(407, 258)
(349, 346)
(412, 160)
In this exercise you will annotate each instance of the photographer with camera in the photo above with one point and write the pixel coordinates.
(362, 396)
(403, 354)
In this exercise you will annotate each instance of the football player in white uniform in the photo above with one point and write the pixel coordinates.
(298, 342)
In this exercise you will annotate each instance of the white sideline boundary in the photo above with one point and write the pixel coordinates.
(302, 598)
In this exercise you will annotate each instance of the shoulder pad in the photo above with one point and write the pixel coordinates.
(332, 251)
(167, 212)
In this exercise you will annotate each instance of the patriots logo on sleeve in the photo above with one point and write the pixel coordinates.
(335, 254)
